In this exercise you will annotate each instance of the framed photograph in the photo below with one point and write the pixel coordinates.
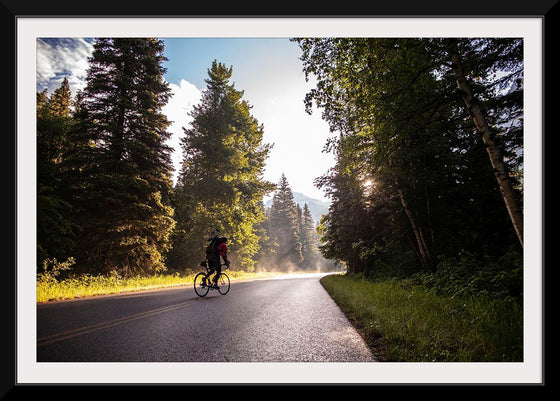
(301, 82)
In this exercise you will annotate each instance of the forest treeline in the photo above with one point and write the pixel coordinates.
(106, 202)
(428, 137)
(429, 143)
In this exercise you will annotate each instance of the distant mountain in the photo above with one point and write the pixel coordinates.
(316, 207)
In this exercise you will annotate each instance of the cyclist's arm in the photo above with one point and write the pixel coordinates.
(222, 250)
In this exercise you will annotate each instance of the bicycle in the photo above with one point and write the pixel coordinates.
(203, 283)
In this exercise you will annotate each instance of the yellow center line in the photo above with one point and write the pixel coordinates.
(104, 325)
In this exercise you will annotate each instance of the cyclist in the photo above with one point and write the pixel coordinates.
(220, 249)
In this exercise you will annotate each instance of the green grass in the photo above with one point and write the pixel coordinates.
(51, 288)
(404, 323)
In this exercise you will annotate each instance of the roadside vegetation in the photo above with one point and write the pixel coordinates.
(57, 281)
(427, 191)
(403, 321)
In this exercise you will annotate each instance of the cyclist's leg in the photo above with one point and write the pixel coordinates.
(214, 264)
(218, 272)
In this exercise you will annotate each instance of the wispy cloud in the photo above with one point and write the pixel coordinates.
(58, 58)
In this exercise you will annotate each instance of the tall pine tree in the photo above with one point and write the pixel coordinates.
(55, 226)
(220, 184)
(285, 228)
(120, 167)
(309, 240)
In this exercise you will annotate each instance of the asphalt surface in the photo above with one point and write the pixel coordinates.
(273, 320)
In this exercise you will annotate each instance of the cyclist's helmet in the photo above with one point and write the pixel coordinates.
(223, 239)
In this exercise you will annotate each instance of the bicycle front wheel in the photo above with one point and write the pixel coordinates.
(200, 285)
(223, 284)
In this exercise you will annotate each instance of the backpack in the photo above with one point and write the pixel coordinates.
(212, 248)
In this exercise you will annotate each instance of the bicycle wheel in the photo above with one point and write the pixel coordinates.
(200, 286)
(223, 284)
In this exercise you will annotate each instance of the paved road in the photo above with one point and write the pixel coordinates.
(274, 320)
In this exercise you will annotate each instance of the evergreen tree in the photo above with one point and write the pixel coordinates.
(119, 165)
(309, 242)
(284, 228)
(347, 224)
(266, 257)
(220, 184)
(55, 225)
(61, 101)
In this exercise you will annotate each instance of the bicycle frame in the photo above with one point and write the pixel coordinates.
(210, 270)
(207, 283)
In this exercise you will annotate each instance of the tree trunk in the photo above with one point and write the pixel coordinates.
(429, 216)
(421, 243)
(506, 188)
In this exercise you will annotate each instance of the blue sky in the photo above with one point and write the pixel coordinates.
(266, 69)
(190, 58)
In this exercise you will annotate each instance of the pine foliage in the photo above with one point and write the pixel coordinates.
(56, 227)
(285, 232)
(290, 238)
(119, 167)
(220, 184)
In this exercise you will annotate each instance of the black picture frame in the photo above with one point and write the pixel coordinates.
(10, 10)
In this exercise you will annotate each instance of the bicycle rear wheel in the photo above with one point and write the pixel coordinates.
(200, 286)
(223, 284)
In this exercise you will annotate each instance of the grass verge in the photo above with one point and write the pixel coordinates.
(52, 288)
(404, 323)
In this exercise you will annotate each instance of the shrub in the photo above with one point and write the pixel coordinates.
(468, 274)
